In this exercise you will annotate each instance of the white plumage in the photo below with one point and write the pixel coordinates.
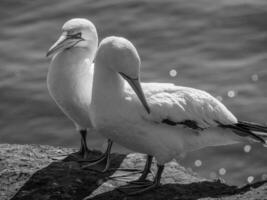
(147, 133)
(70, 74)
(119, 115)
(70, 85)
(180, 119)
(178, 104)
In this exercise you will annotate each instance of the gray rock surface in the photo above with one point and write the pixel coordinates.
(31, 172)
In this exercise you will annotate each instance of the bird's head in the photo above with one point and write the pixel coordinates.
(120, 56)
(76, 32)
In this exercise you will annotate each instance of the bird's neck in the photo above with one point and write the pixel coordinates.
(108, 90)
(70, 73)
(71, 64)
(74, 55)
(107, 83)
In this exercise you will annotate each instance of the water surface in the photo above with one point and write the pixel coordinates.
(218, 46)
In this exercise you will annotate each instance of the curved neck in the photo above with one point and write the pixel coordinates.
(70, 68)
(107, 90)
(75, 54)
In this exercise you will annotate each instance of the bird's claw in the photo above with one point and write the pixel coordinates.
(102, 159)
(138, 188)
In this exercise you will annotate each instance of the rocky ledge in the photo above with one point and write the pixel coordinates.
(31, 172)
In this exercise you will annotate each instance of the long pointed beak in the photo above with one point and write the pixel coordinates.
(63, 42)
(135, 84)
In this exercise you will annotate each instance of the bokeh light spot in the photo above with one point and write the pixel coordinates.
(231, 93)
(198, 163)
(173, 73)
(222, 171)
(250, 179)
(247, 148)
(255, 77)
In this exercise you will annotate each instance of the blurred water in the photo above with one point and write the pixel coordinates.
(218, 46)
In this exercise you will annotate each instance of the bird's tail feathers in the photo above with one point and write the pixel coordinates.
(248, 129)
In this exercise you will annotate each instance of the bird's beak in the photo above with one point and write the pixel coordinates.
(63, 42)
(135, 84)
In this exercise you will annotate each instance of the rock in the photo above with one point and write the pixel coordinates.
(30, 172)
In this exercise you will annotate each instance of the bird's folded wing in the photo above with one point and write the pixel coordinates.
(175, 105)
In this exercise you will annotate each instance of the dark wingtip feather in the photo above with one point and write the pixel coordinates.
(253, 126)
(246, 129)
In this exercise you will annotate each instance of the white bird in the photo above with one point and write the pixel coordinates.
(70, 74)
(181, 119)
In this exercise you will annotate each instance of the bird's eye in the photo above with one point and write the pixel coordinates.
(77, 35)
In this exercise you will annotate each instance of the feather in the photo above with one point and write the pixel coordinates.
(247, 129)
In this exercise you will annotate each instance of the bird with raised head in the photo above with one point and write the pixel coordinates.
(70, 76)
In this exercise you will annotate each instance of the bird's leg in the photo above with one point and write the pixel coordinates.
(104, 158)
(138, 189)
(84, 151)
(145, 172)
(131, 171)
